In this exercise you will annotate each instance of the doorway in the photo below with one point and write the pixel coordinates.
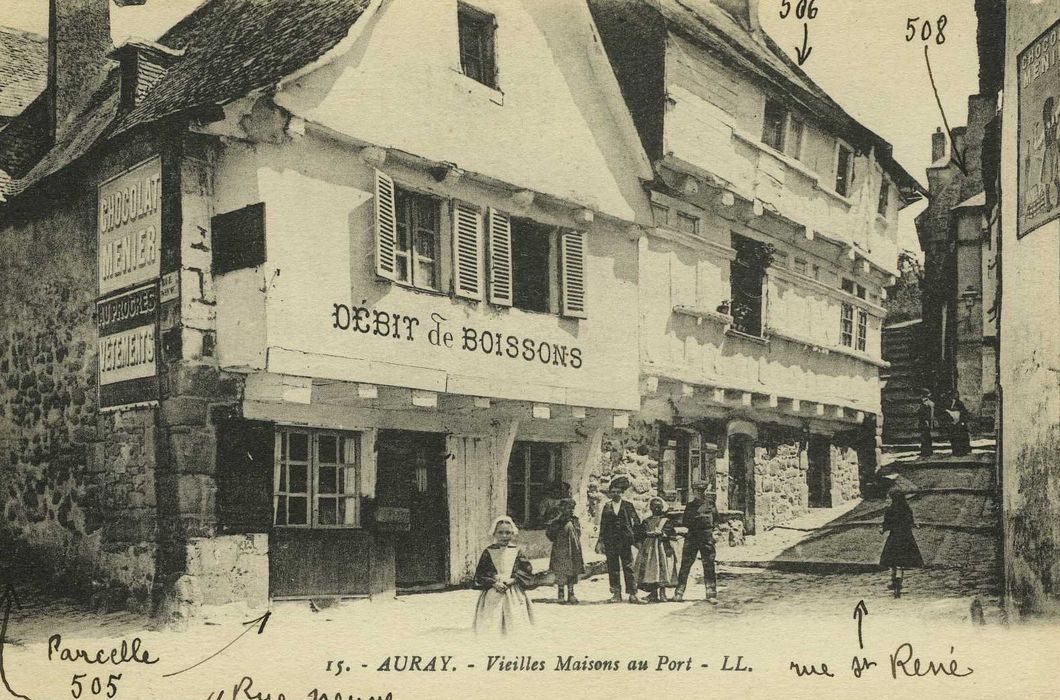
(742, 478)
(819, 473)
(411, 474)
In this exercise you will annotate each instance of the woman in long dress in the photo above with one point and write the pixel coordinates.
(503, 574)
(900, 552)
(656, 566)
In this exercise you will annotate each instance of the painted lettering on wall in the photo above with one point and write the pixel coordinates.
(129, 226)
(127, 355)
(439, 333)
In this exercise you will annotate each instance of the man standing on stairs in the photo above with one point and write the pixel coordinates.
(700, 515)
(926, 421)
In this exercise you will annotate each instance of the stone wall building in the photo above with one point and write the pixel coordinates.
(763, 274)
(310, 295)
(1024, 203)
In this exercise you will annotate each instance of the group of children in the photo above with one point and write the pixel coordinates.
(504, 573)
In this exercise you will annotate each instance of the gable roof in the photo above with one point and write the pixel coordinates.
(23, 70)
(230, 48)
(712, 27)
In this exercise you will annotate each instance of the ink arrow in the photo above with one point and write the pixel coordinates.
(860, 611)
(803, 52)
(8, 600)
(957, 157)
(261, 628)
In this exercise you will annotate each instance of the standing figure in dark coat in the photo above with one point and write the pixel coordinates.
(566, 562)
(700, 515)
(900, 551)
(656, 564)
(926, 421)
(503, 573)
(960, 440)
(619, 523)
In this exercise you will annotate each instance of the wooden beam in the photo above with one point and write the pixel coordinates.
(577, 411)
(687, 390)
(796, 405)
(620, 421)
(746, 398)
(482, 402)
(719, 395)
(820, 409)
(367, 391)
(542, 411)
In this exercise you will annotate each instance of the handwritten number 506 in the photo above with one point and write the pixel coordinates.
(926, 29)
(804, 9)
(96, 686)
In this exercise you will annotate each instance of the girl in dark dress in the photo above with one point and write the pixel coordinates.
(960, 439)
(901, 551)
(567, 562)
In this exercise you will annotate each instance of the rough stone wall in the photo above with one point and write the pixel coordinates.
(781, 491)
(77, 487)
(634, 452)
(846, 479)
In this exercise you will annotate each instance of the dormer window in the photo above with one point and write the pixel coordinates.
(477, 55)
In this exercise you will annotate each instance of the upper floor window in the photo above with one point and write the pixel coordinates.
(533, 266)
(494, 257)
(844, 170)
(782, 130)
(851, 287)
(885, 198)
(800, 266)
(477, 54)
(846, 325)
(687, 223)
(863, 329)
(418, 234)
(746, 279)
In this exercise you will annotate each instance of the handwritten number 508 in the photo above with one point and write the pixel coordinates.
(804, 9)
(926, 29)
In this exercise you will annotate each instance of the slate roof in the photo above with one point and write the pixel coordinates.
(23, 70)
(709, 25)
(231, 47)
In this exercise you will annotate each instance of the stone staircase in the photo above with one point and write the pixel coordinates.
(901, 394)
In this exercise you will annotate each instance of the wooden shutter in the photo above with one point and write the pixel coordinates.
(245, 464)
(467, 251)
(385, 226)
(500, 256)
(572, 272)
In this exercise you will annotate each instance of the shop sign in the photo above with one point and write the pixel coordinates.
(127, 348)
(1038, 152)
(129, 227)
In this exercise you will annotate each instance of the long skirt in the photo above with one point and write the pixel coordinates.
(656, 564)
(503, 613)
(901, 550)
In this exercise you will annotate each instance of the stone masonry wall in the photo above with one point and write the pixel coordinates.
(77, 486)
(846, 480)
(781, 491)
(632, 452)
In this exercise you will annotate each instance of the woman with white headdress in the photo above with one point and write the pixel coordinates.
(503, 574)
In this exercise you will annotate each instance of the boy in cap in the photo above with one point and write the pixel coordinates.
(619, 523)
(700, 515)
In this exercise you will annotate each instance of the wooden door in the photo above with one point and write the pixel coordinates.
(819, 473)
(412, 474)
(742, 479)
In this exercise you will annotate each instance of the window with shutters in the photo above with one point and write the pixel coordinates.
(535, 472)
(477, 49)
(416, 249)
(316, 479)
(533, 266)
(468, 245)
